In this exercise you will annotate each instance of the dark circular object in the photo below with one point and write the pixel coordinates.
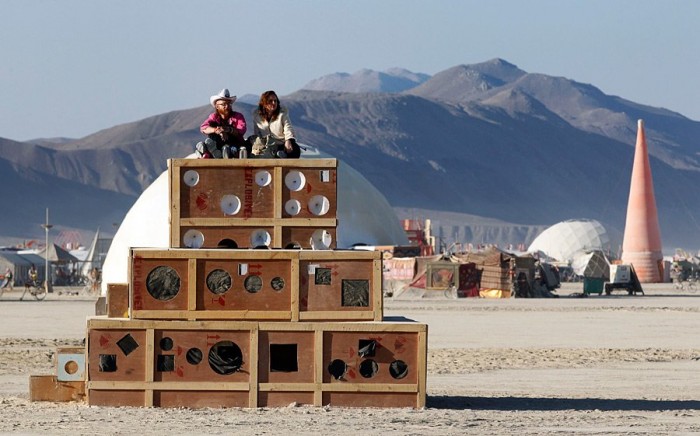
(163, 283)
(398, 369)
(225, 357)
(368, 368)
(227, 243)
(219, 281)
(166, 344)
(337, 368)
(277, 283)
(194, 356)
(253, 284)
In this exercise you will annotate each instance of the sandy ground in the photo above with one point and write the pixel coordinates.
(599, 365)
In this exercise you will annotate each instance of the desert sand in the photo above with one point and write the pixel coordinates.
(614, 364)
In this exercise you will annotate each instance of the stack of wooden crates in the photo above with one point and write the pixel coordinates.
(252, 305)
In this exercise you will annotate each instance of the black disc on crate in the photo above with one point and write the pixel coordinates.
(163, 283)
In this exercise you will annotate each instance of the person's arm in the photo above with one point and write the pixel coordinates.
(239, 123)
(210, 125)
(256, 123)
(287, 129)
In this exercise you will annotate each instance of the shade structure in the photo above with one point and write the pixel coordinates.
(567, 239)
(641, 245)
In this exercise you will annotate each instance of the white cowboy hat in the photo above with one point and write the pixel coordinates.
(222, 95)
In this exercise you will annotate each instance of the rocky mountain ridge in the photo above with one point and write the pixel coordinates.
(484, 140)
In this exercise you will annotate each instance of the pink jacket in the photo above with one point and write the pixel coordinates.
(237, 120)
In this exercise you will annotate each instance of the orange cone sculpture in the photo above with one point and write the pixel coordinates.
(641, 245)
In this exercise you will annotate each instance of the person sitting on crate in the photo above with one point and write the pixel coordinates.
(273, 135)
(224, 129)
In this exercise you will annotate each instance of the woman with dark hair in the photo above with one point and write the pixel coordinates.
(273, 135)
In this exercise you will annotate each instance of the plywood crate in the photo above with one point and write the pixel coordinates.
(282, 285)
(256, 364)
(245, 203)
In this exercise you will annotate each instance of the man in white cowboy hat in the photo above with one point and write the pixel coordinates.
(224, 128)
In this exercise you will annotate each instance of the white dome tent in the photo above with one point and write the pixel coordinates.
(364, 217)
(566, 240)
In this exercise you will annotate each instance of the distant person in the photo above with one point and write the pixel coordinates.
(273, 135)
(8, 278)
(33, 275)
(32, 280)
(224, 128)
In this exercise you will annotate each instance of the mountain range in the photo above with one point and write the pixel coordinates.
(489, 152)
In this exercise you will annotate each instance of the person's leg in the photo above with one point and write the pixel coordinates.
(296, 151)
(214, 144)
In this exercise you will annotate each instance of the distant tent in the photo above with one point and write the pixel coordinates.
(90, 258)
(592, 264)
(58, 255)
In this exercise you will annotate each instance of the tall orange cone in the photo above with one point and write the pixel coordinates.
(641, 245)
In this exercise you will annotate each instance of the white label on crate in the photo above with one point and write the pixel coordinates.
(242, 269)
(325, 176)
(312, 269)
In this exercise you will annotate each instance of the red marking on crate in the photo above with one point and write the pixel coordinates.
(202, 201)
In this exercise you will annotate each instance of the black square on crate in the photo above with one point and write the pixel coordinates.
(127, 344)
(355, 293)
(323, 276)
(165, 363)
(108, 363)
(283, 358)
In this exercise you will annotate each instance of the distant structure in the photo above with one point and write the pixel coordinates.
(641, 245)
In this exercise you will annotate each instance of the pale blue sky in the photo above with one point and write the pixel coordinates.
(70, 68)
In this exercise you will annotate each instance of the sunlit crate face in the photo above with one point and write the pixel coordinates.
(117, 355)
(233, 190)
(376, 357)
(226, 284)
(201, 356)
(337, 284)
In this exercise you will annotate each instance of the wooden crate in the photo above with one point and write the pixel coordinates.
(256, 364)
(49, 388)
(118, 300)
(250, 202)
(282, 285)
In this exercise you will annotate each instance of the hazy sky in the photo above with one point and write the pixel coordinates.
(71, 68)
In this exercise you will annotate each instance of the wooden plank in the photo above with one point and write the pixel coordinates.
(378, 294)
(318, 363)
(230, 254)
(280, 315)
(377, 387)
(192, 285)
(422, 367)
(328, 315)
(180, 164)
(279, 205)
(294, 282)
(254, 358)
(259, 222)
(174, 195)
(136, 324)
(170, 386)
